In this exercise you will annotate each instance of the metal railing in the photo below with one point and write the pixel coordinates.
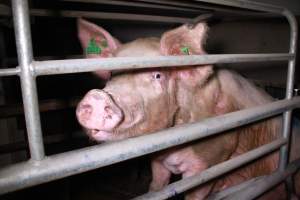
(41, 169)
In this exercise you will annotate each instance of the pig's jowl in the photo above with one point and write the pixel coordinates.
(144, 101)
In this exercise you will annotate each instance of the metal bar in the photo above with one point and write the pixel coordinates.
(256, 187)
(86, 65)
(105, 15)
(212, 172)
(211, 7)
(237, 188)
(109, 15)
(246, 5)
(28, 84)
(191, 7)
(135, 4)
(287, 116)
(30, 173)
(187, 4)
(10, 71)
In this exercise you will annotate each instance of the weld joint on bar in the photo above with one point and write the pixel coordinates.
(32, 69)
(18, 71)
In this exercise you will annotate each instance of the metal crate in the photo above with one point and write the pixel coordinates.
(40, 169)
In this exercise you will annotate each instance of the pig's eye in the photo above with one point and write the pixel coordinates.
(157, 75)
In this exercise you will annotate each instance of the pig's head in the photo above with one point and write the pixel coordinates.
(142, 101)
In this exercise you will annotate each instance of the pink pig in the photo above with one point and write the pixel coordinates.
(144, 101)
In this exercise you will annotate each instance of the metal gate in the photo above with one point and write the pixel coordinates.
(40, 169)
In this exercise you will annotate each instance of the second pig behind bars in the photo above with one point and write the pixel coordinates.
(143, 101)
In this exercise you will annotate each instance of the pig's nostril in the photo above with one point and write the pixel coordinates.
(84, 113)
(108, 112)
(86, 109)
(107, 108)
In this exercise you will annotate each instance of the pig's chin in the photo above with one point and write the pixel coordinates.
(121, 132)
(100, 136)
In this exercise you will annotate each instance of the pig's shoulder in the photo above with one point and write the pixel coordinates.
(243, 91)
(140, 47)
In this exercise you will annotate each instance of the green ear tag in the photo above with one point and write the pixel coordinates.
(92, 47)
(185, 50)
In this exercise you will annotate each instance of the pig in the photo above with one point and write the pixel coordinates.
(139, 102)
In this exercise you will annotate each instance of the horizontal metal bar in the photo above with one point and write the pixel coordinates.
(31, 173)
(109, 15)
(210, 7)
(246, 5)
(201, 9)
(135, 4)
(212, 172)
(86, 65)
(10, 71)
(256, 187)
(237, 188)
(106, 15)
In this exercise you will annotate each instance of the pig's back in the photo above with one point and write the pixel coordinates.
(245, 93)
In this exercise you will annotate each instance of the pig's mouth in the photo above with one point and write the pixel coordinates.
(103, 119)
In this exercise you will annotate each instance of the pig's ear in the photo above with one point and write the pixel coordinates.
(184, 40)
(95, 41)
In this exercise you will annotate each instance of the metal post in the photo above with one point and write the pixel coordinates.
(289, 87)
(287, 116)
(28, 84)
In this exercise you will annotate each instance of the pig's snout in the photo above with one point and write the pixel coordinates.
(98, 111)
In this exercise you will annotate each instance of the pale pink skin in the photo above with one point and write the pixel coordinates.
(88, 30)
(144, 101)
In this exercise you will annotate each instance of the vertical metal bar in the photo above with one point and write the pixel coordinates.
(287, 116)
(28, 82)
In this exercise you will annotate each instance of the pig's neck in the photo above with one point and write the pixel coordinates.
(197, 103)
(225, 92)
